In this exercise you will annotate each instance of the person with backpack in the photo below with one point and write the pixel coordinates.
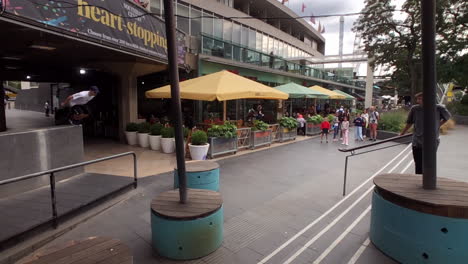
(374, 117)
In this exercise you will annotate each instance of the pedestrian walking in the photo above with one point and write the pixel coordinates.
(301, 126)
(374, 117)
(358, 122)
(336, 128)
(345, 131)
(365, 118)
(47, 108)
(325, 126)
(415, 117)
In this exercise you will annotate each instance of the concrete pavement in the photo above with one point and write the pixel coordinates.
(282, 205)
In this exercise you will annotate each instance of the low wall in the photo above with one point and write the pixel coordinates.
(38, 150)
(460, 120)
(388, 134)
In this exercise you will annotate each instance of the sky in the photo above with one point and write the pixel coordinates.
(332, 24)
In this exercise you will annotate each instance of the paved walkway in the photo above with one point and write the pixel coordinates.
(282, 205)
(21, 120)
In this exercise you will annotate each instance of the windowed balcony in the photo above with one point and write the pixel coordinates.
(228, 50)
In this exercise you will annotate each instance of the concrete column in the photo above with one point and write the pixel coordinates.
(128, 111)
(2, 108)
(369, 83)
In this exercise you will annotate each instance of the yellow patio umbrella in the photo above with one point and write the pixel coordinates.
(332, 94)
(221, 86)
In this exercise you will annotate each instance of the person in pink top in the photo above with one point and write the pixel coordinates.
(345, 130)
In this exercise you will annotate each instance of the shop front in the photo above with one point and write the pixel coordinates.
(69, 46)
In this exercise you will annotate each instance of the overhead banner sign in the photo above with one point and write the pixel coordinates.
(118, 22)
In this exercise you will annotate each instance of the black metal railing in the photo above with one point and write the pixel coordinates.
(353, 152)
(68, 167)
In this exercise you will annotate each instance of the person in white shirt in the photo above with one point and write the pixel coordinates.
(77, 104)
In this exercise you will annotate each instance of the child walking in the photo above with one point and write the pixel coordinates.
(345, 131)
(325, 126)
(336, 128)
(358, 123)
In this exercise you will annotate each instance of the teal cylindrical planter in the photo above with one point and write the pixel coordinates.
(200, 175)
(410, 236)
(187, 239)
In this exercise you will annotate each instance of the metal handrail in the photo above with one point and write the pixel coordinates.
(81, 164)
(353, 153)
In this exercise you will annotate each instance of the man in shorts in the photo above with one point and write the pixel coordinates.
(374, 117)
(77, 104)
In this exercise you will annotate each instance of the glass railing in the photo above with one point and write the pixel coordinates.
(229, 50)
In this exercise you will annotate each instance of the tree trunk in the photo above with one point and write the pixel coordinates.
(2, 108)
(414, 80)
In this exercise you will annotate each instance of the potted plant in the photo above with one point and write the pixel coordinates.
(143, 134)
(167, 139)
(199, 146)
(313, 124)
(261, 135)
(288, 128)
(155, 136)
(131, 133)
(222, 139)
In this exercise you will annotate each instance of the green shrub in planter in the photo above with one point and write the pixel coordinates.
(464, 100)
(259, 125)
(155, 130)
(228, 130)
(144, 127)
(288, 122)
(186, 132)
(316, 119)
(167, 132)
(331, 117)
(393, 121)
(199, 137)
(131, 127)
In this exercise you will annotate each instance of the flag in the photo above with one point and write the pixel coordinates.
(312, 18)
(323, 30)
(284, 1)
(303, 7)
(319, 27)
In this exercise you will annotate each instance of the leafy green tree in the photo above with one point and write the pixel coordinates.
(396, 44)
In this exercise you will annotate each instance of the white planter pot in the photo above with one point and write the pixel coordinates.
(131, 137)
(168, 145)
(198, 152)
(155, 142)
(143, 140)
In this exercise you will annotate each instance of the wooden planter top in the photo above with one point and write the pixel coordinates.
(450, 199)
(90, 251)
(200, 165)
(200, 203)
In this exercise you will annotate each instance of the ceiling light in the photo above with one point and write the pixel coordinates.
(28, 77)
(82, 71)
(11, 58)
(142, 82)
(42, 47)
(11, 67)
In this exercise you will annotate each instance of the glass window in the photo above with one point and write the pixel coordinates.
(245, 36)
(218, 27)
(259, 41)
(227, 30)
(207, 23)
(271, 48)
(208, 45)
(183, 22)
(195, 22)
(252, 39)
(265, 44)
(236, 53)
(289, 51)
(280, 49)
(155, 7)
(236, 33)
(276, 52)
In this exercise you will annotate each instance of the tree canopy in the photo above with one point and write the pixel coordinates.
(396, 43)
